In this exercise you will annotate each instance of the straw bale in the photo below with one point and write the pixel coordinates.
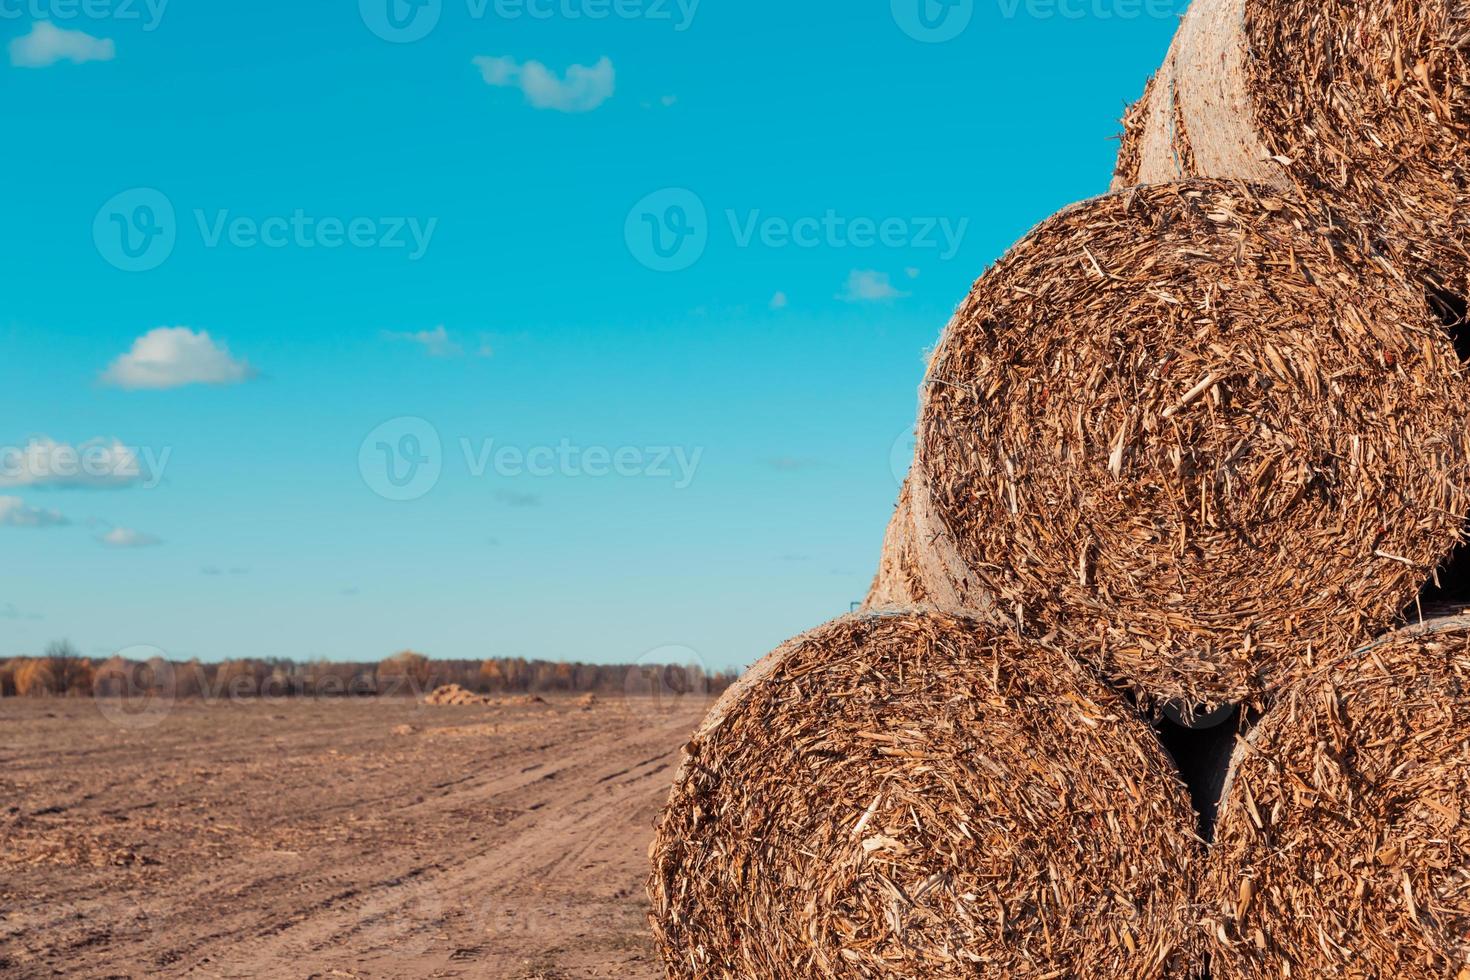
(1366, 103)
(1197, 434)
(1343, 843)
(915, 795)
(898, 583)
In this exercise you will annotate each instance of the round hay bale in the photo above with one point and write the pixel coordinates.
(1367, 102)
(1194, 433)
(910, 795)
(898, 583)
(1344, 837)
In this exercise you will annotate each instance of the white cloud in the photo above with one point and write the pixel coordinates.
(124, 537)
(439, 342)
(436, 342)
(582, 90)
(779, 301)
(97, 464)
(47, 44)
(867, 286)
(172, 357)
(14, 512)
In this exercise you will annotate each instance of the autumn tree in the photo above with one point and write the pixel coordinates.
(404, 673)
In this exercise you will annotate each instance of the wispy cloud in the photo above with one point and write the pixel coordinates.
(14, 512)
(868, 286)
(48, 44)
(172, 357)
(8, 611)
(439, 342)
(582, 89)
(436, 342)
(512, 499)
(97, 464)
(126, 537)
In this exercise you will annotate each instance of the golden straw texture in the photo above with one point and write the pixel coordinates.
(1366, 103)
(898, 583)
(1344, 842)
(910, 795)
(1195, 434)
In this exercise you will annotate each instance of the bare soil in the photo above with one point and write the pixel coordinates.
(345, 839)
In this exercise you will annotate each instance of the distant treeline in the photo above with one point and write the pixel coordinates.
(62, 672)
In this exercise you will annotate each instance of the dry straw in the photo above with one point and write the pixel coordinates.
(912, 795)
(1194, 434)
(899, 582)
(1343, 843)
(1366, 102)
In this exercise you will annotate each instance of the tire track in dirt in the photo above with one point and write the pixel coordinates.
(310, 840)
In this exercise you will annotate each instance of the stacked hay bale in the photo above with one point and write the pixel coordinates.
(1192, 430)
(1182, 449)
(898, 796)
(1343, 847)
(1364, 104)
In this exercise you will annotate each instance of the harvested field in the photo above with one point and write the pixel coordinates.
(375, 838)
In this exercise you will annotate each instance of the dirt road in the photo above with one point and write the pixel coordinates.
(332, 839)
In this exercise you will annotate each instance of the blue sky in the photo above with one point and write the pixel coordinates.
(350, 237)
